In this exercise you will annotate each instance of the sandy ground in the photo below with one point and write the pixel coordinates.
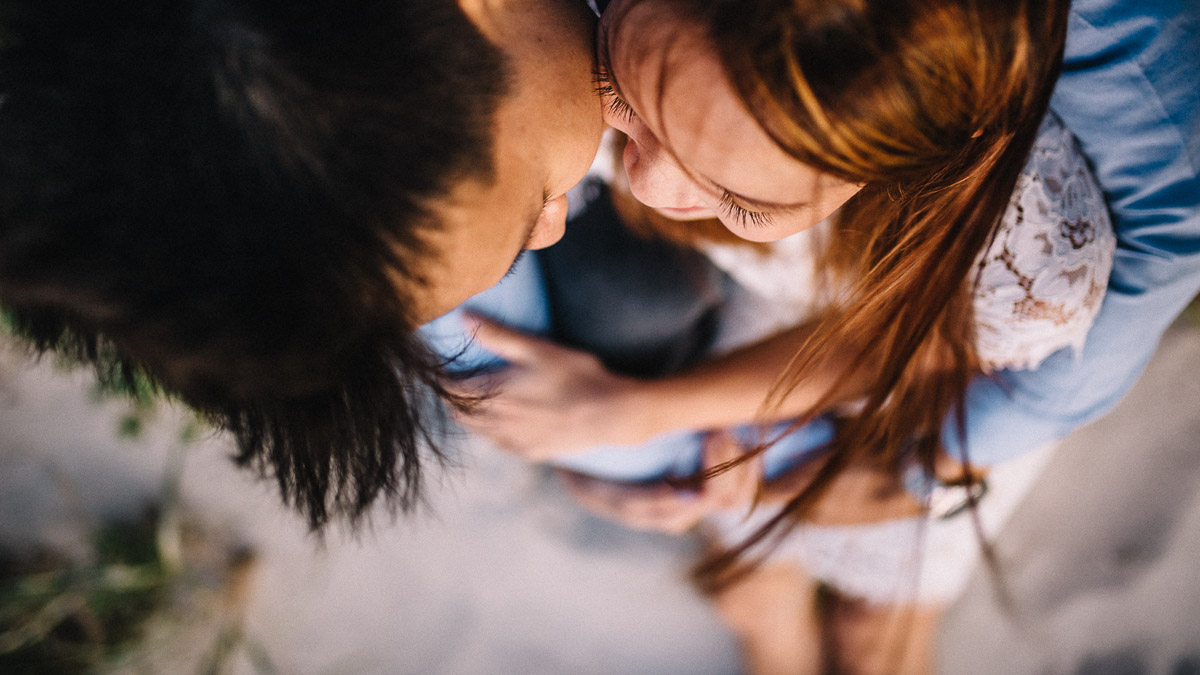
(1102, 560)
(502, 574)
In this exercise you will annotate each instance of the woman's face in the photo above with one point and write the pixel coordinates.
(694, 151)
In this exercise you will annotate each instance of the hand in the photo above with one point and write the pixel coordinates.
(551, 400)
(662, 507)
(861, 494)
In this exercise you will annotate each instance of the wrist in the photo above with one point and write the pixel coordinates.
(644, 409)
(943, 498)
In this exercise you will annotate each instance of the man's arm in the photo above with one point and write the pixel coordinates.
(1130, 92)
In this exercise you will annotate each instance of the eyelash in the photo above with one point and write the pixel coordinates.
(619, 108)
(742, 215)
(612, 101)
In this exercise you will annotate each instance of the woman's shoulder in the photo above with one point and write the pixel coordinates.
(1042, 279)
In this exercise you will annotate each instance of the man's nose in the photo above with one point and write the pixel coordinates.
(551, 224)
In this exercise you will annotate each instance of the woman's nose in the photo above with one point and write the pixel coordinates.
(655, 179)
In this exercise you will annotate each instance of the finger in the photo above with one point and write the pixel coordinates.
(720, 447)
(737, 486)
(601, 491)
(597, 496)
(507, 343)
(485, 385)
(510, 444)
(656, 507)
(477, 421)
(496, 428)
(675, 514)
(785, 486)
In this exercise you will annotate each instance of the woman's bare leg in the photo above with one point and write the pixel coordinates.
(773, 612)
(865, 639)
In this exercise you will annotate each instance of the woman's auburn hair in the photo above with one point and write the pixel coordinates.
(932, 105)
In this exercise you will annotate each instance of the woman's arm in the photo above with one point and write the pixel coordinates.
(553, 400)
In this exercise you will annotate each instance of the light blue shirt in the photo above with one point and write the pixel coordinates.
(1130, 92)
(520, 301)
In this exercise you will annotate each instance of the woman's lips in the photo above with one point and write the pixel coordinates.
(689, 213)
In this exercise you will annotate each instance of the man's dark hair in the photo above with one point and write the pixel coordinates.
(227, 196)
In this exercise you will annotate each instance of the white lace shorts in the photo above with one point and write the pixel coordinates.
(920, 559)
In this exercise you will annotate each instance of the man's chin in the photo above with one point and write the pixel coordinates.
(694, 213)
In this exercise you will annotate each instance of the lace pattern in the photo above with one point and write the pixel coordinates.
(1039, 283)
(1039, 287)
(919, 559)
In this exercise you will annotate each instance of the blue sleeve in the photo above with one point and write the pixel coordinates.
(1130, 92)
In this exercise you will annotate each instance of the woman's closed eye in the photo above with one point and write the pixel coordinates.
(740, 214)
(616, 106)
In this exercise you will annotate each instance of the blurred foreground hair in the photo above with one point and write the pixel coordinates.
(227, 197)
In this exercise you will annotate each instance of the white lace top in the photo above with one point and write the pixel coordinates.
(1041, 280)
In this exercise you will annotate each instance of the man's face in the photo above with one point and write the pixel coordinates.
(545, 135)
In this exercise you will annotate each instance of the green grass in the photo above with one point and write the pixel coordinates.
(66, 617)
